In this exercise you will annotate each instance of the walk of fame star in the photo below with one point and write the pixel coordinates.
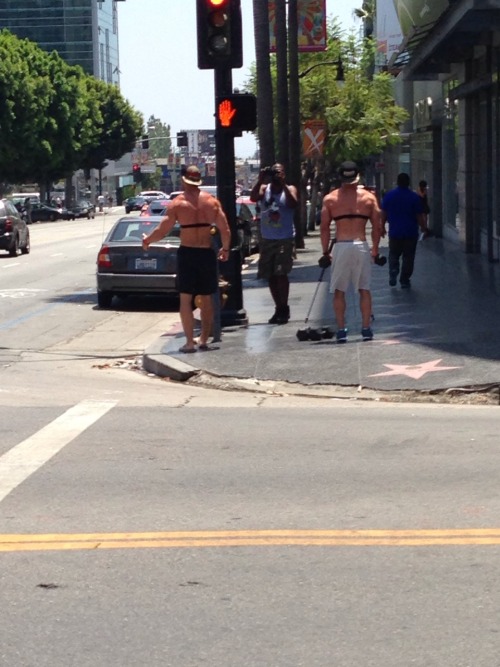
(417, 371)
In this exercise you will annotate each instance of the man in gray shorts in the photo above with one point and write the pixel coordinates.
(351, 206)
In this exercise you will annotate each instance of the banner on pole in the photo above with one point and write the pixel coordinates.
(313, 138)
(311, 21)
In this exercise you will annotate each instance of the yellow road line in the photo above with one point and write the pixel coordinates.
(252, 538)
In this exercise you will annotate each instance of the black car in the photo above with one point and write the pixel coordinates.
(248, 225)
(14, 232)
(134, 204)
(83, 209)
(124, 268)
(42, 213)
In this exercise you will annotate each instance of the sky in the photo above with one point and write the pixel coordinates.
(159, 75)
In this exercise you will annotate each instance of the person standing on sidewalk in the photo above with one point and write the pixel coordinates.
(404, 211)
(199, 215)
(350, 207)
(277, 245)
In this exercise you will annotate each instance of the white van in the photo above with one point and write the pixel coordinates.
(20, 197)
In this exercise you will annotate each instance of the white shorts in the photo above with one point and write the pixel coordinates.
(351, 265)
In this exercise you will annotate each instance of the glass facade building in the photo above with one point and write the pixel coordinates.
(83, 32)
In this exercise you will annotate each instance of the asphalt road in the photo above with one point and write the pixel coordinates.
(148, 523)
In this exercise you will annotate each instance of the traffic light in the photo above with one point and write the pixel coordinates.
(182, 139)
(145, 142)
(237, 112)
(219, 30)
(136, 171)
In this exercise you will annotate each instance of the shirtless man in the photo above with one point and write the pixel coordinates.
(351, 207)
(198, 214)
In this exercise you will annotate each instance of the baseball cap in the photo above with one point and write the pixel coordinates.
(192, 175)
(348, 172)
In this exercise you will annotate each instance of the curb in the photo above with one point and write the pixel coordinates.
(155, 361)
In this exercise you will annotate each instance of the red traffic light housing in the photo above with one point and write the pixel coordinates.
(137, 173)
(236, 113)
(219, 32)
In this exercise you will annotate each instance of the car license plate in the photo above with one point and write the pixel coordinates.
(145, 264)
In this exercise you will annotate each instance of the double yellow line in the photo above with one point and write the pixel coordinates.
(252, 538)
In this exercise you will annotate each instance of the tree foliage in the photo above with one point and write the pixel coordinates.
(337, 87)
(160, 144)
(54, 118)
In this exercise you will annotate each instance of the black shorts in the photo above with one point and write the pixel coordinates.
(197, 270)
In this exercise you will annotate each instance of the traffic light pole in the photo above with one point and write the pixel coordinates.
(233, 312)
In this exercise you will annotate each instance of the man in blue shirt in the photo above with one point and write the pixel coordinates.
(277, 243)
(403, 209)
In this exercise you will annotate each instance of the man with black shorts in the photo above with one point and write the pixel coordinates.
(277, 245)
(198, 213)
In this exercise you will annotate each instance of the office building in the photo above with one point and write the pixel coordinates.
(83, 32)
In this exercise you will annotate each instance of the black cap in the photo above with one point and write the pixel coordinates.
(348, 172)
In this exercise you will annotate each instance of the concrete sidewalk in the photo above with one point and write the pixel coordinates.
(441, 334)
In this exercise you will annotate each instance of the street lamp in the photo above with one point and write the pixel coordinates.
(340, 68)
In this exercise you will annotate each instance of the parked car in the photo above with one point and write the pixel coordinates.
(159, 206)
(248, 225)
(153, 194)
(14, 232)
(134, 204)
(124, 268)
(66, 214)
(83, 209)
(42, 212)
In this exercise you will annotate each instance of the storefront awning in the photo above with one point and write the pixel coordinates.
(430, 50)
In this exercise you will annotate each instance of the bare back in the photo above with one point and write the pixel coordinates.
(358, 204)
(197, 212)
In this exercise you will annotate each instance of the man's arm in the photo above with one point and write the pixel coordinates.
(383, 221)
(257, 192)
(376, 220)
(162, 230)
(324, 228)
(225, 233)
(291, 196)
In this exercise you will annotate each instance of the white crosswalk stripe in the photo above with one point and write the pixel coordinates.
(28, 456)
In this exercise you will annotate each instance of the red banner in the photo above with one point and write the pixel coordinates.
(314, 134)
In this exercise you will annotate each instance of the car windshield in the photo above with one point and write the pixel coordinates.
(246, 205)
(130, 231)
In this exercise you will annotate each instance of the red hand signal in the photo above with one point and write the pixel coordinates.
(226, 113)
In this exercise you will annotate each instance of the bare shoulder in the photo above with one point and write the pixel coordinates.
(332, 196)
(366, 195)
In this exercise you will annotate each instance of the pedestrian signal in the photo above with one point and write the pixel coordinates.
(219, 32)
(237, 113)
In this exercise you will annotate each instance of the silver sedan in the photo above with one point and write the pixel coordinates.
(124, 268)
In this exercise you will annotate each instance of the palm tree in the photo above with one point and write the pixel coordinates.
(282, 84)
(265, 118)
(367, 14)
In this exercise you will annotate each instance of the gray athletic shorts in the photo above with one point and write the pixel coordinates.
(351, 265)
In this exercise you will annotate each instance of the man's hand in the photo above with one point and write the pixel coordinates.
(223, 255)
(325, 261)
(145, 242)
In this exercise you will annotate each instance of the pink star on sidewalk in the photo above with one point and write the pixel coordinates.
(417, 371)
